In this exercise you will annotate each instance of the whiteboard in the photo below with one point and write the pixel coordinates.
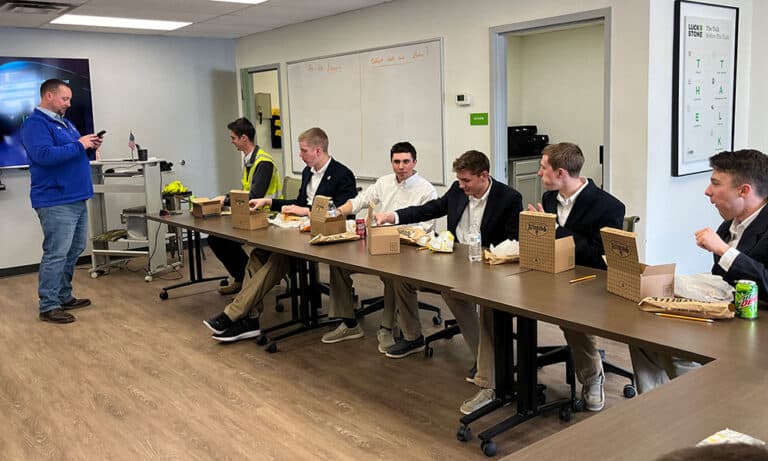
(367, 101)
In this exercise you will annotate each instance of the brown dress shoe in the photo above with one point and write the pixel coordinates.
(75, 303)
(231, 289)
(57, 316)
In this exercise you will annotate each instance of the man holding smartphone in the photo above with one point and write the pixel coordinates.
(61, 184)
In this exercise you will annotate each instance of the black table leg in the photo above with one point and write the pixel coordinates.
(194, 260)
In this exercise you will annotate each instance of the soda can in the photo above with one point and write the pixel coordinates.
(746, 299)
(360, 227)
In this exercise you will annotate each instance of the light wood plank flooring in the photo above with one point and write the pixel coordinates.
(138, 378)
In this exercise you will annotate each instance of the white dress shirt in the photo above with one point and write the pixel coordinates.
(389, 195)
(472, 217)
(565, 205)
(314, 183)
(737, 231)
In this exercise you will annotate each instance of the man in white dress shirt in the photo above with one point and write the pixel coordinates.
(403, 188)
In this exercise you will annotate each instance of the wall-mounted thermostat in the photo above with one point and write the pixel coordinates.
(463, 99)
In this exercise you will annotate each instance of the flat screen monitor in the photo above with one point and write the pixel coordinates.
(20, 80)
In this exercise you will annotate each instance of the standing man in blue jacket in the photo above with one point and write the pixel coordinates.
(61, 184)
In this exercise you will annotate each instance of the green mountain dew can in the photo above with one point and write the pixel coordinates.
(746, 299)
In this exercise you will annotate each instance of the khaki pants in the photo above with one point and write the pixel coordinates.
(466, 316)
(398, 296)
(652, 369)
(586, 358)
(259, 280)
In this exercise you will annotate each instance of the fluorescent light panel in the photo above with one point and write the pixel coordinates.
(251, 2)
(122, 23)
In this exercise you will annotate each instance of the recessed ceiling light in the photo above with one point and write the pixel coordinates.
(123, 23)
(252, 2)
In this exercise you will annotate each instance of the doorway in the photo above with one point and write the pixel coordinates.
(551, 74)
(261, 105)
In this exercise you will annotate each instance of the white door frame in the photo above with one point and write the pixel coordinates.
(498, 115)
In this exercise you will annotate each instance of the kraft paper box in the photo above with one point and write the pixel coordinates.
(381, 240)
(202, 207)
(320, 222)
(242, 215)
(540, 249)
(627, 276)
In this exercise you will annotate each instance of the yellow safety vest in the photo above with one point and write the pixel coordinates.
(275, 187)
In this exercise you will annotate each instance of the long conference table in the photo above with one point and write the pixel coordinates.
(730, 391)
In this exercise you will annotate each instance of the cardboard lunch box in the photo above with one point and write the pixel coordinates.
(320, 222)
(242, 215)
(203, 206)
(540, 249)
(627, 276)
(381, 240)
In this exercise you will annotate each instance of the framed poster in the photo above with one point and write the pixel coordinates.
(704, 84)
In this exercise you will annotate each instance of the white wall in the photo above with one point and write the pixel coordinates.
(677, 207)
(758, 118)
(176, 94)
(558, 77)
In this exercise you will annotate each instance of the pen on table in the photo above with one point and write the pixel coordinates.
(581, 279)
(684, 317)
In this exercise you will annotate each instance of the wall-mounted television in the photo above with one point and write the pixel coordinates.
(20, 80)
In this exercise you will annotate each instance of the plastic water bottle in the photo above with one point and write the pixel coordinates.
(475, 243)
(332, 212)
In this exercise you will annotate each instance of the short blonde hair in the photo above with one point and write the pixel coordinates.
(315, 137)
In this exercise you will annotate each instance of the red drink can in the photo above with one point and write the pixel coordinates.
(360, 227)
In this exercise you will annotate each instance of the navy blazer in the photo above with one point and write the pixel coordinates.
(594, 209)
(338, 182)
(753, 246)
(500, 218)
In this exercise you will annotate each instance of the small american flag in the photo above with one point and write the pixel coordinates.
(131, 142)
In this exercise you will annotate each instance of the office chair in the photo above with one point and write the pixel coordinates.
(629, 390)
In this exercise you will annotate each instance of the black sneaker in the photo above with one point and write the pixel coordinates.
(403, 348)
(218, 323)
(242, 329)
(75, 303)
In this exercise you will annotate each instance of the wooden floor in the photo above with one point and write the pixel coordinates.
(138, 378)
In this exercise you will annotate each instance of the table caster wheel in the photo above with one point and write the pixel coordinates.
(147, 278)
(428, 351)
(95, 274)
(629, 391)
(464, 434)
(163, 295)
(262, 340)
(224, 283)
(437, 320)
(279, 307)
(541, 398)
(565, 414)
(489, 448)
(578, 405)
(271, 347)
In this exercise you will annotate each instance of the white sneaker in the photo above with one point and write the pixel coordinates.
(343, 333)
(481, 399)
(386, 339)
(593, 394)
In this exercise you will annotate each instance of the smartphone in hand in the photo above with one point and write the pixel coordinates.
(101, 133)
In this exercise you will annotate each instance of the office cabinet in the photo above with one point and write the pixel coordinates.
(524, 178)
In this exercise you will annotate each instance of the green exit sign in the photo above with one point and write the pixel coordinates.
(480, 118)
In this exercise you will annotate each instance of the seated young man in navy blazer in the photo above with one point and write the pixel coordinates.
(738, 188)
(582, 209)
(322, 176)
(475, 203)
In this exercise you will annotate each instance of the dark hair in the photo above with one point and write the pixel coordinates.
(243, 126)
(52, 84)
(473, 161)
(746, 166)
(719, 452)
(403, 147)
(315, 137)
(565, 155)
